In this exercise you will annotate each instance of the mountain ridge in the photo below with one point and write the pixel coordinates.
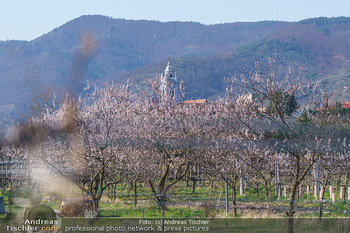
(135, 49)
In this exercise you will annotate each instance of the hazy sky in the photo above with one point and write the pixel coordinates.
(28, 19)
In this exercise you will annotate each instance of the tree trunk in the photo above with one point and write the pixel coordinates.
(211, 183)
(277, 181)
(95, 204)
(338, 182)
(194, 181)
(234, 201)
(162, 201)
(320, 203)
(267, 198)
(241, 186)
(290, 212)
(135, 194)
(114, 192)
(320, 209)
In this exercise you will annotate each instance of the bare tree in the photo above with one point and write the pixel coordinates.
(41, 100)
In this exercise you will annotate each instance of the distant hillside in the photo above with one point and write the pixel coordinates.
(100, 49)
(320, 44)
(121, 45)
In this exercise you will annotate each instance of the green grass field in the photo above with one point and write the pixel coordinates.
(206, 202)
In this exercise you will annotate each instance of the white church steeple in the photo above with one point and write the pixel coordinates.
(170, 90)
(169, 72)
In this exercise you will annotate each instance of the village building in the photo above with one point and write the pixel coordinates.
(345, 105)
(199, 101)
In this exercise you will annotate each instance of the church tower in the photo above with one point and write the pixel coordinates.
(170, 87)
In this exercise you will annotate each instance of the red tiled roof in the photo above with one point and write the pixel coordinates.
(345, 105)
(200, 101)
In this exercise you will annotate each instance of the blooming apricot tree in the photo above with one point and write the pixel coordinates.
(89, 135)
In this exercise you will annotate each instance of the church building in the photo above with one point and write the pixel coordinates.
(169, 86)
(170, 89)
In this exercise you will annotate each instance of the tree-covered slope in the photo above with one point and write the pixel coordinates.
(136, 49)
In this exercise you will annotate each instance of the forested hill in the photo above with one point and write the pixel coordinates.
(320, 43)
(121, 46)
(136, 49)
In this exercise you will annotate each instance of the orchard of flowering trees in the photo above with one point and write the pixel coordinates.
(271, 141)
